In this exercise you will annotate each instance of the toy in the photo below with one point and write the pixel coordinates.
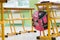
(40, 20)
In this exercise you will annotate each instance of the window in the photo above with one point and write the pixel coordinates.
(17, 3)
(23, 3)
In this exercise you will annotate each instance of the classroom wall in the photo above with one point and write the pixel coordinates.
(32, 5)
(33, 2)
(26, 13)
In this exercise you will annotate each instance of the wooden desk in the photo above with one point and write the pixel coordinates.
(2, 19)
(29, 9)
(48, 8)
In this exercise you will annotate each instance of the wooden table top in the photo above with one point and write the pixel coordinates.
(52, 3)
(18, 8)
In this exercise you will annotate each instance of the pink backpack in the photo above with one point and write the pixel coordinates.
(40, 20)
